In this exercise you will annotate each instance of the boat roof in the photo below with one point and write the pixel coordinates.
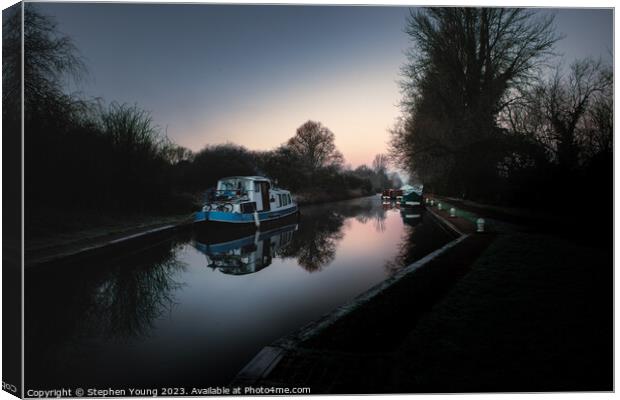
(248, 178)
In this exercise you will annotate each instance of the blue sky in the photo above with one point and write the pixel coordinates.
(253, 74)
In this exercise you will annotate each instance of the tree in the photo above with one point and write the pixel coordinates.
(460, 74)
(568, 115)
(566, 102)
(216, 161)
(314, 145)
(49, 59)
(562, 130)
(380, 163)
(176, 154)
(282, 164)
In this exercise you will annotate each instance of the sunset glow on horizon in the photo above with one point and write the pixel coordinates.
(251, 75)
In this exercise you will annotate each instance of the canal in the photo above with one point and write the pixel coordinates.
(192, 312)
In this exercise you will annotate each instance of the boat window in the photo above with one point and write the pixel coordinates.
(227, 185)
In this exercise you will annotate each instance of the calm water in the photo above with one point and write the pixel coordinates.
(190, 311)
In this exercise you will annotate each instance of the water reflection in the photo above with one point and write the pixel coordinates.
(314, 244)
(412, 216)
(419, 237)
(95, 301)
(120, 299)
(194, 310)
(248, 254)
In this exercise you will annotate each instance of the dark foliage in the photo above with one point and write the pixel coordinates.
(481, 123)
(87, 158)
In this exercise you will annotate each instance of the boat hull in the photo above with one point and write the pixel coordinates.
(412, 199)
(221, 225)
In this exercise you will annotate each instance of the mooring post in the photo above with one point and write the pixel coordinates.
(452, 212)
(439, 206)
(480, 225)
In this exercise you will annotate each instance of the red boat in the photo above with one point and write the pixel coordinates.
(392, 194)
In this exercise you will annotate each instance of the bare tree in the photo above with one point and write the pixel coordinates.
(314, 145)
(476, 53)
(50, 58)
(380, 163)
(459, 75)
(569, 114)
(566, 102)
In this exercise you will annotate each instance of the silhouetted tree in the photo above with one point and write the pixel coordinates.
(561, 131)
(314, 145)
(49, 58)
(284, 165)
(218, 161)
(566, 101)
(380, 163)
(459, 75)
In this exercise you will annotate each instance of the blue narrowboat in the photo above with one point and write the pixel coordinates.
(412, 196)
(245, 201)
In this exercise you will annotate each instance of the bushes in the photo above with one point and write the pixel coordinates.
(83, 158)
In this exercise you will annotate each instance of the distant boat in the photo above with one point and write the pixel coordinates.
(412, 195)
(245, 201)
(392, 194)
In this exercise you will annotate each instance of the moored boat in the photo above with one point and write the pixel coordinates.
(246, 202)
(412, 195)
(392, 194)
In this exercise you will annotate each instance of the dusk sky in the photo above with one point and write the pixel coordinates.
(252, 74)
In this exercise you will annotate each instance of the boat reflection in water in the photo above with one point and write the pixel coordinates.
(247, 254)
(412, 216)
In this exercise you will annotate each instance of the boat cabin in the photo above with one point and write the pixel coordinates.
(246, 194)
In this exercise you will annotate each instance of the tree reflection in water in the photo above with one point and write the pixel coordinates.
(130, 299)
(119, 300)
(314, 244)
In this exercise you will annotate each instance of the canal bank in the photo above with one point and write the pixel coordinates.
(103, 241)
(500, 311)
